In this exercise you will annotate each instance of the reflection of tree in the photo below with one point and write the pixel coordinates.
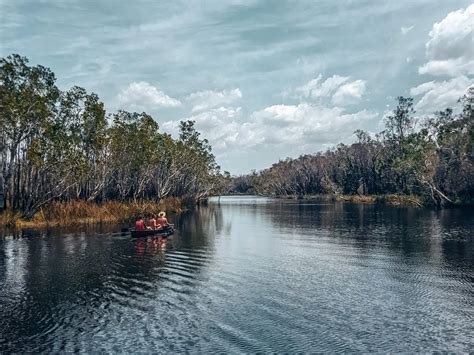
(457, 247)
(13, 259)
(405, 231)
(198, 226)
(417, 248)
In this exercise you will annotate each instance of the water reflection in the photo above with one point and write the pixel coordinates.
(244, 275)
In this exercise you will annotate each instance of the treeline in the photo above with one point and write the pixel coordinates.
(432, 159)
(62, 145)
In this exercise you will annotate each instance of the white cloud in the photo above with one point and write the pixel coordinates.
(317, 88)
(171, 127)
(307, 123)
(349, 93)
(144, 96)
(423, 88)
(338, 88)
(449, 52)
(222, 127)
(450, 67)
(405, 30)
(437, 96)
(280, 126)
(204, 100)
(450, 49)
(213, 118)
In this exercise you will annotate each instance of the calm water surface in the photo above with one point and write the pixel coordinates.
(249, 274)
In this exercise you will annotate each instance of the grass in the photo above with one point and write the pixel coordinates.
(9, 218)
(398, 200)
(83, 212)
(402, 200)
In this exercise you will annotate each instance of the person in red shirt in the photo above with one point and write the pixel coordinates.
(151, 222)
(139, 224)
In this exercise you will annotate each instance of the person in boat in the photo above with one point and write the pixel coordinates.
(162, 220)
(139, 224)
(151, 222)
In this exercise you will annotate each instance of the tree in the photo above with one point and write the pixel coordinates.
(400, 123)
(435, 162)
(27, 100)
(58, 146)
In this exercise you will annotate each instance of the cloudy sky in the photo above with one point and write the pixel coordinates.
(263, 80)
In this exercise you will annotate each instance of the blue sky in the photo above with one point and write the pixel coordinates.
(262, 79)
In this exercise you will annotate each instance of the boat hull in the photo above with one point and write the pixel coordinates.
(152, 232)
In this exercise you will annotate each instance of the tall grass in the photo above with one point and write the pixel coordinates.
(9, 218)
(395, 200)
(83, 212)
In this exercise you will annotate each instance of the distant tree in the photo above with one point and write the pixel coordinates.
(400, 123)
(434, 162)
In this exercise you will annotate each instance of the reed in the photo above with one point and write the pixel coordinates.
(395, 200)
(83, 212)
(400, 200)
(9, 218)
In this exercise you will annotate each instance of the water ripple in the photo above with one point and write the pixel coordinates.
(305, 278)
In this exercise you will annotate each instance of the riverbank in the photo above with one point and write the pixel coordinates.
(83, 212)
(394, 200)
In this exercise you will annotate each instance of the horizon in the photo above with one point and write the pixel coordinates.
(256, 77)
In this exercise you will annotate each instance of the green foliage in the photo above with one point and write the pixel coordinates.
(400, 123)
(60, 146)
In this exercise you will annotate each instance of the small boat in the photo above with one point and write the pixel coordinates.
(163, 232)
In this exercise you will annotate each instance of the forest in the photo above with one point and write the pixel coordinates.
(63, 146)
(60, 146)
(430, 160)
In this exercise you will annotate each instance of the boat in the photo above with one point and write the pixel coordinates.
(163, 232)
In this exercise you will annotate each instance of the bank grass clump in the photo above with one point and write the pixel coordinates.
(393, 200)
(390, 199)
(78, 212)
(10, 218)
(399, 200)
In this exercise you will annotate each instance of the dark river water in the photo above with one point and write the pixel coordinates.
(247, 275)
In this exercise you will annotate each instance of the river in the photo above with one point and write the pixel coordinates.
(247, 274)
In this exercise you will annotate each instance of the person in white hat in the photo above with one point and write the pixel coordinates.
(162, 219)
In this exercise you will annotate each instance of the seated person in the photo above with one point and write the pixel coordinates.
(151, 222)
(139, 224)
(162, 219)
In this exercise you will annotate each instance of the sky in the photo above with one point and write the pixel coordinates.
(263, 80)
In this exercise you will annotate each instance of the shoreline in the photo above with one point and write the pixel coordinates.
(80, 212)
(392, 200)
(389, 199)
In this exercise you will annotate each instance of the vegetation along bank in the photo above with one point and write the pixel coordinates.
(62, 154)
(417, 160)
(62, 146)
